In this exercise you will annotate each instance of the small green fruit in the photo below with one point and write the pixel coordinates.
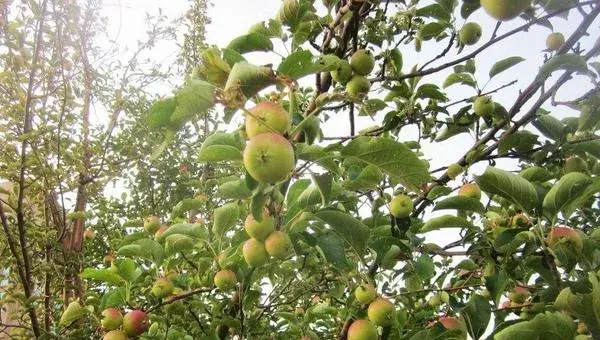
(554, 41)
(115, 335)
(434, 301)
(152, 224)
(445, 297)
(505, 10)
(454, 170)
(269, 158)
(343, 73)
(365, 293)
(401, 206)
(162, 288)
(225, 279)
(362, 62)
(112, 319)
(254, 253)
(483, 106)
(279, 245)
(470, 190)
(518, 295)
(362, 330)
(267, 116)
(575, 164)
(259, 230)
(358, 87)
(380, 312)
(470, 33)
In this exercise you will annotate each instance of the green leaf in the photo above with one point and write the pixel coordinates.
(225, 218)
(257, 204)
(504, 65)
(568, 189)
(536, 174)
(461, 203)
(459, 78)
(434, 11)
(103, 275)
(468, 7)
(396, 61)
(431, 91)
(177, 243)
(194, 230)
(332, 247)
(234, 190)
(424, 267)
(72, 313)
(144, 248)
(581, 148)
(510, 240)
(347, 227)
(476, 314)
(159, 114)
(187, 204)
(446, 221)
(194, 98)
(221, 146)
(323, 183)
(513, 187)
(431, 30)
(317, 154)
(247, 79)
(568, 62)
(368, 178)
(251, 42)
(393, 158)
(550, 127)
(127, 269)
(302, 63)
(547, 326)
(522, 141)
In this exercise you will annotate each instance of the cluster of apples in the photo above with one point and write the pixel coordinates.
(353, 74)
(379, 312)
(134, 324)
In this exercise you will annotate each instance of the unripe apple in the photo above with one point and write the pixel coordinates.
(162, 288)
(89, 234)
(445, 297)
(362, 330)
(518, 295)
(135, 323)
(269, 158)
(279, 245)
(112, 319)
(225, 279)
(115, 335)
(401, 206)
(254, 253)
(504, 10)
(554, 41)
(358, 87)
(575, 164)
(520, 220)
(450, 322)
(259, 230)
(264, 115)
(454, 170)
(108, 259)
(380, 311)
(470, 190)
(470, 33)
(558, 234)
(582, 328)
(434, 301)
(362, 62)
(343, 73)
(483, 106)
(365, 293)
(151, 224)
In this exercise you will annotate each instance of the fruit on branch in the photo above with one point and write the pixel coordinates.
(454, 170)
(72, 313)
(135, 323)
(225, 279)
(115, 335)
(380, 311)
(89, 234)
(470, 190)
(279, 245)
(450, 322)
(518, 295)
(343, 73)
(162, 288)
(520, 220)
(112, 319)
(483, 106)
(575, 164)
(362, 62)
(108, 259)
(401, 206)
(254, 253)
(470, 33)
(151, 224)
(267, 116)
(358, 87)
(161, 230)
(565, 234)
(554, 41)
(504, 10)
(362, 330)
(365, 293)
(445, 297)
(434, 301)
(259, 230)
(269, 158)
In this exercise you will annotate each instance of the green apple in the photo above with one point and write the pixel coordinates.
(112, 319)
(575, 164)
(483, 106)
(279, 245)
(225, 279)
(254, 253)
(267, 116)
(115, 335)
(362, 330)
(259, 230)
(269, 158)
(554, 41)
(381, 311)
(470, 190)
(151, 224)
(454, 170)
(358, 87)
(470, 33)
(135, 323)
(504, 10)
(342, 73)
(162, 288)
(365, 293)
(160, 231)
(362, 62)
(401, 206)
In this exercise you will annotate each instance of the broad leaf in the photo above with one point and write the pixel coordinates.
(568, 189)
(332, 247)
(547, 326)
(461, 203)
(225, 218)
(459, 78)
(504, 65)
(513, 187)
(446, 221)
(251, 42)
(221, 146)
(103, 275)
(303, 63)
(569, 62)
(347, 227)
(476, 314)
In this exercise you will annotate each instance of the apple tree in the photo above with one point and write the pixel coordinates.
(295, 230)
